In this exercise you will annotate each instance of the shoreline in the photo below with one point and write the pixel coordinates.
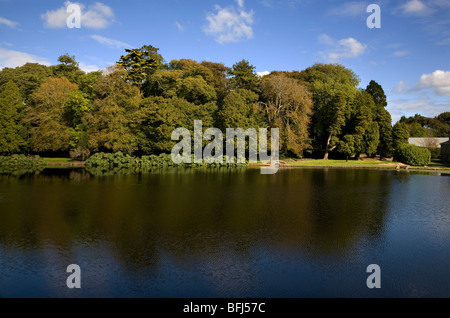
(285, 165)
(351, 165)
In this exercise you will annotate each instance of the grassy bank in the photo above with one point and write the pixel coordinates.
(362, 164)
(435, 165)
(63, 162)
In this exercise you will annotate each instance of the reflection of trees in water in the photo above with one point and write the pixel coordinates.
(349, 206)
(191, 214)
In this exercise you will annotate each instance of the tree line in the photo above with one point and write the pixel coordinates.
(134, 106)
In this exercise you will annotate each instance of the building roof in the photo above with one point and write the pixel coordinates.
(428, 142)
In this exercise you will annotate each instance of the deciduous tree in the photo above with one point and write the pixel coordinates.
(12, 130)
(289, 106)
(50, 127)
(333, 88)
(112, 124)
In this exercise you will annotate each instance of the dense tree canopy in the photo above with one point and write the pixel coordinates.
(421, 126)
(288, 106)
(134, 106)
(12, 131)
(243, 75)
(50, 125)
(140, 63)
(27, 77)
(333, 88)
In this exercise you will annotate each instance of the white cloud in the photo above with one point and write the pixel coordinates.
(4, 43)
(400, 87)
(401, 53)
(415, 7)
(109, 42)
(423, 105)
(345, 48)
(11, 58)
(230, 24)
(97, 16)
(349, 9)
(326, 39)
(88, 68)
(261, 74)
(179, 26)
(8, 23)
(439, 81)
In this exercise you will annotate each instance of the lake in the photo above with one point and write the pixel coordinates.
(232, 233)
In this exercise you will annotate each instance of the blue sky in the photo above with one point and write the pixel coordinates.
(408, 55)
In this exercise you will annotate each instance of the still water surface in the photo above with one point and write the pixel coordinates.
(225, 233)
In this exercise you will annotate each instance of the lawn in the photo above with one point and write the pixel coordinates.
(57, 160)
(359, 163)
(336, 163)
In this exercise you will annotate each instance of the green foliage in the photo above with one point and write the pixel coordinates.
(347, 145)
(140, 63)
(27, 77)
(377, 93)
(100, 163)
(112, 124)
(333, 89)
(435, 153)
(86, 83)
(78, 137)
(239, 110)
(362, 125)
(371, 139)
(134, 107)
(243, 76)
(191, 68)
(196, 90)
(384, 120)
(444, 118)
(68, 67)
(50, 126)
(159, 116)
(12, 131)
(421, 126)
(76, 106)
(400, 134)
(110, 160)
(162, 83)
(412, 155)
(288, 106)
(219, 78)
(416, 130)
(184, 79)
(21, 164)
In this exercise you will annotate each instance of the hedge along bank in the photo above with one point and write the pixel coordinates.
(214, 152)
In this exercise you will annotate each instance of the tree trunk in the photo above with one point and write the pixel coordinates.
(327, 150)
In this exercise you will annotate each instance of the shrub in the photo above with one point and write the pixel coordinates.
(21, 164)
(435, 153)
(111, 160)
(119, 162)
(412, 155)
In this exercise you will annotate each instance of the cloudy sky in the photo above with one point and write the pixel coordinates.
(408, 55)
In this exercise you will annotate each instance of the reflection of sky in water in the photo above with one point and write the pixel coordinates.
(301, 233)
